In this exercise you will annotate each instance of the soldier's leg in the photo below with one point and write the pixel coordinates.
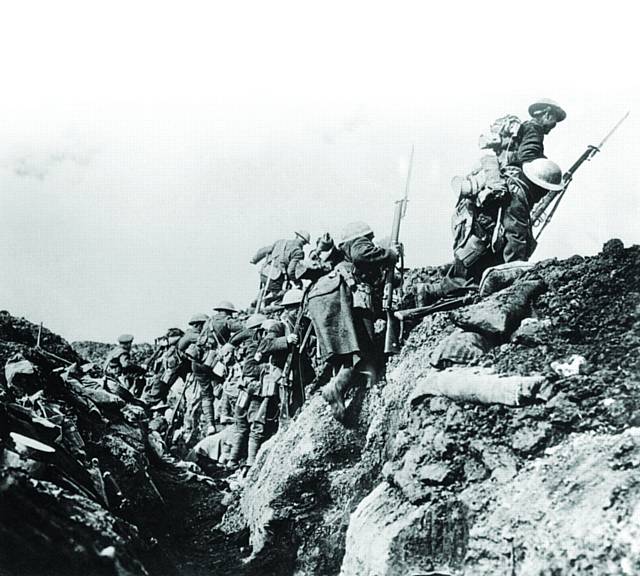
(208, 411)
(257, 417)
(256, 437)
(240, 437)
(335, 390)
(517, 232)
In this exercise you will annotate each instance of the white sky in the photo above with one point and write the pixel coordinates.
(148, 149)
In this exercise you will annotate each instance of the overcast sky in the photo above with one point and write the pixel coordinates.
(147, 150)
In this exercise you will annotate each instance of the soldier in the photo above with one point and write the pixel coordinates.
(343, 306)
(545, 114)
(500, 231)
(216, 332)
(279, 262)
(229, 356)
(300, 342)
(119, 365)
(280, 347)
(250, 410)
(527, 187)
(171, 365)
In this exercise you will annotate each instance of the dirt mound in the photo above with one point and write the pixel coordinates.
(452, 479)
(81, 491)
(444, 485)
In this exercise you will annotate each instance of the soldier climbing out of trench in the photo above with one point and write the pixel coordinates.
(491, 223)
(277, 272)
(344, 305)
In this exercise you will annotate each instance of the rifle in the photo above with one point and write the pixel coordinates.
(538, 216)
(188, 382)
(391, 339)
(440, 306)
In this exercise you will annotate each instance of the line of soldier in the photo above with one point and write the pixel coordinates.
(317, 319)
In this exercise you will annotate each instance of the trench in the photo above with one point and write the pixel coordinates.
(183, 530)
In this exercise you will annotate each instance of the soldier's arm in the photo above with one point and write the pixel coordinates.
(186, 340)
(366, 252)
(273, 345)
(261, 254)
(531, 143)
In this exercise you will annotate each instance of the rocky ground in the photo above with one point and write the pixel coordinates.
(92, 497)
(543, 479)
(505, 439)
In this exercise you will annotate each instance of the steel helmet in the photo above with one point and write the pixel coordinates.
(541, 105)
(355, 230)
(197, 318)
(292, 297)
(255, 321)
(225, 305)
(174, 332)
(544, 173)
(274, 327)
(125, 339)
(304, 235)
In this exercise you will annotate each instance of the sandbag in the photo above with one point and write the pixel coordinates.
(479, 385)
(499, 315)
(459, 347)
(499, 277)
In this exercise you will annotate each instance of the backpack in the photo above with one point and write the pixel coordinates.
(485, 185)
(502, 138)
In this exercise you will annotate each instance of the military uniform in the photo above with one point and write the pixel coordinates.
(280, 260)
(173, 364)
(120, 367)
(230, 389)
(530, 142)
(215, 333)
(344, 316)
(251, 409)
(517, 242)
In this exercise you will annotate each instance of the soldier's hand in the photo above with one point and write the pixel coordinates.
(379, 326)
(398, 248)
(292, 339)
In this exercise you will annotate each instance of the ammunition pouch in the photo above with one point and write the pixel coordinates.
(219, 370)
(210, 358)
(243, 400)
(270, 382)
(471, 251)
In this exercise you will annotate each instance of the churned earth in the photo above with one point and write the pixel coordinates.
(532, 471)
(434, 484)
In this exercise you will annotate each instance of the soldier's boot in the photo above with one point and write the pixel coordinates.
(427, 293)
(334, 392)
